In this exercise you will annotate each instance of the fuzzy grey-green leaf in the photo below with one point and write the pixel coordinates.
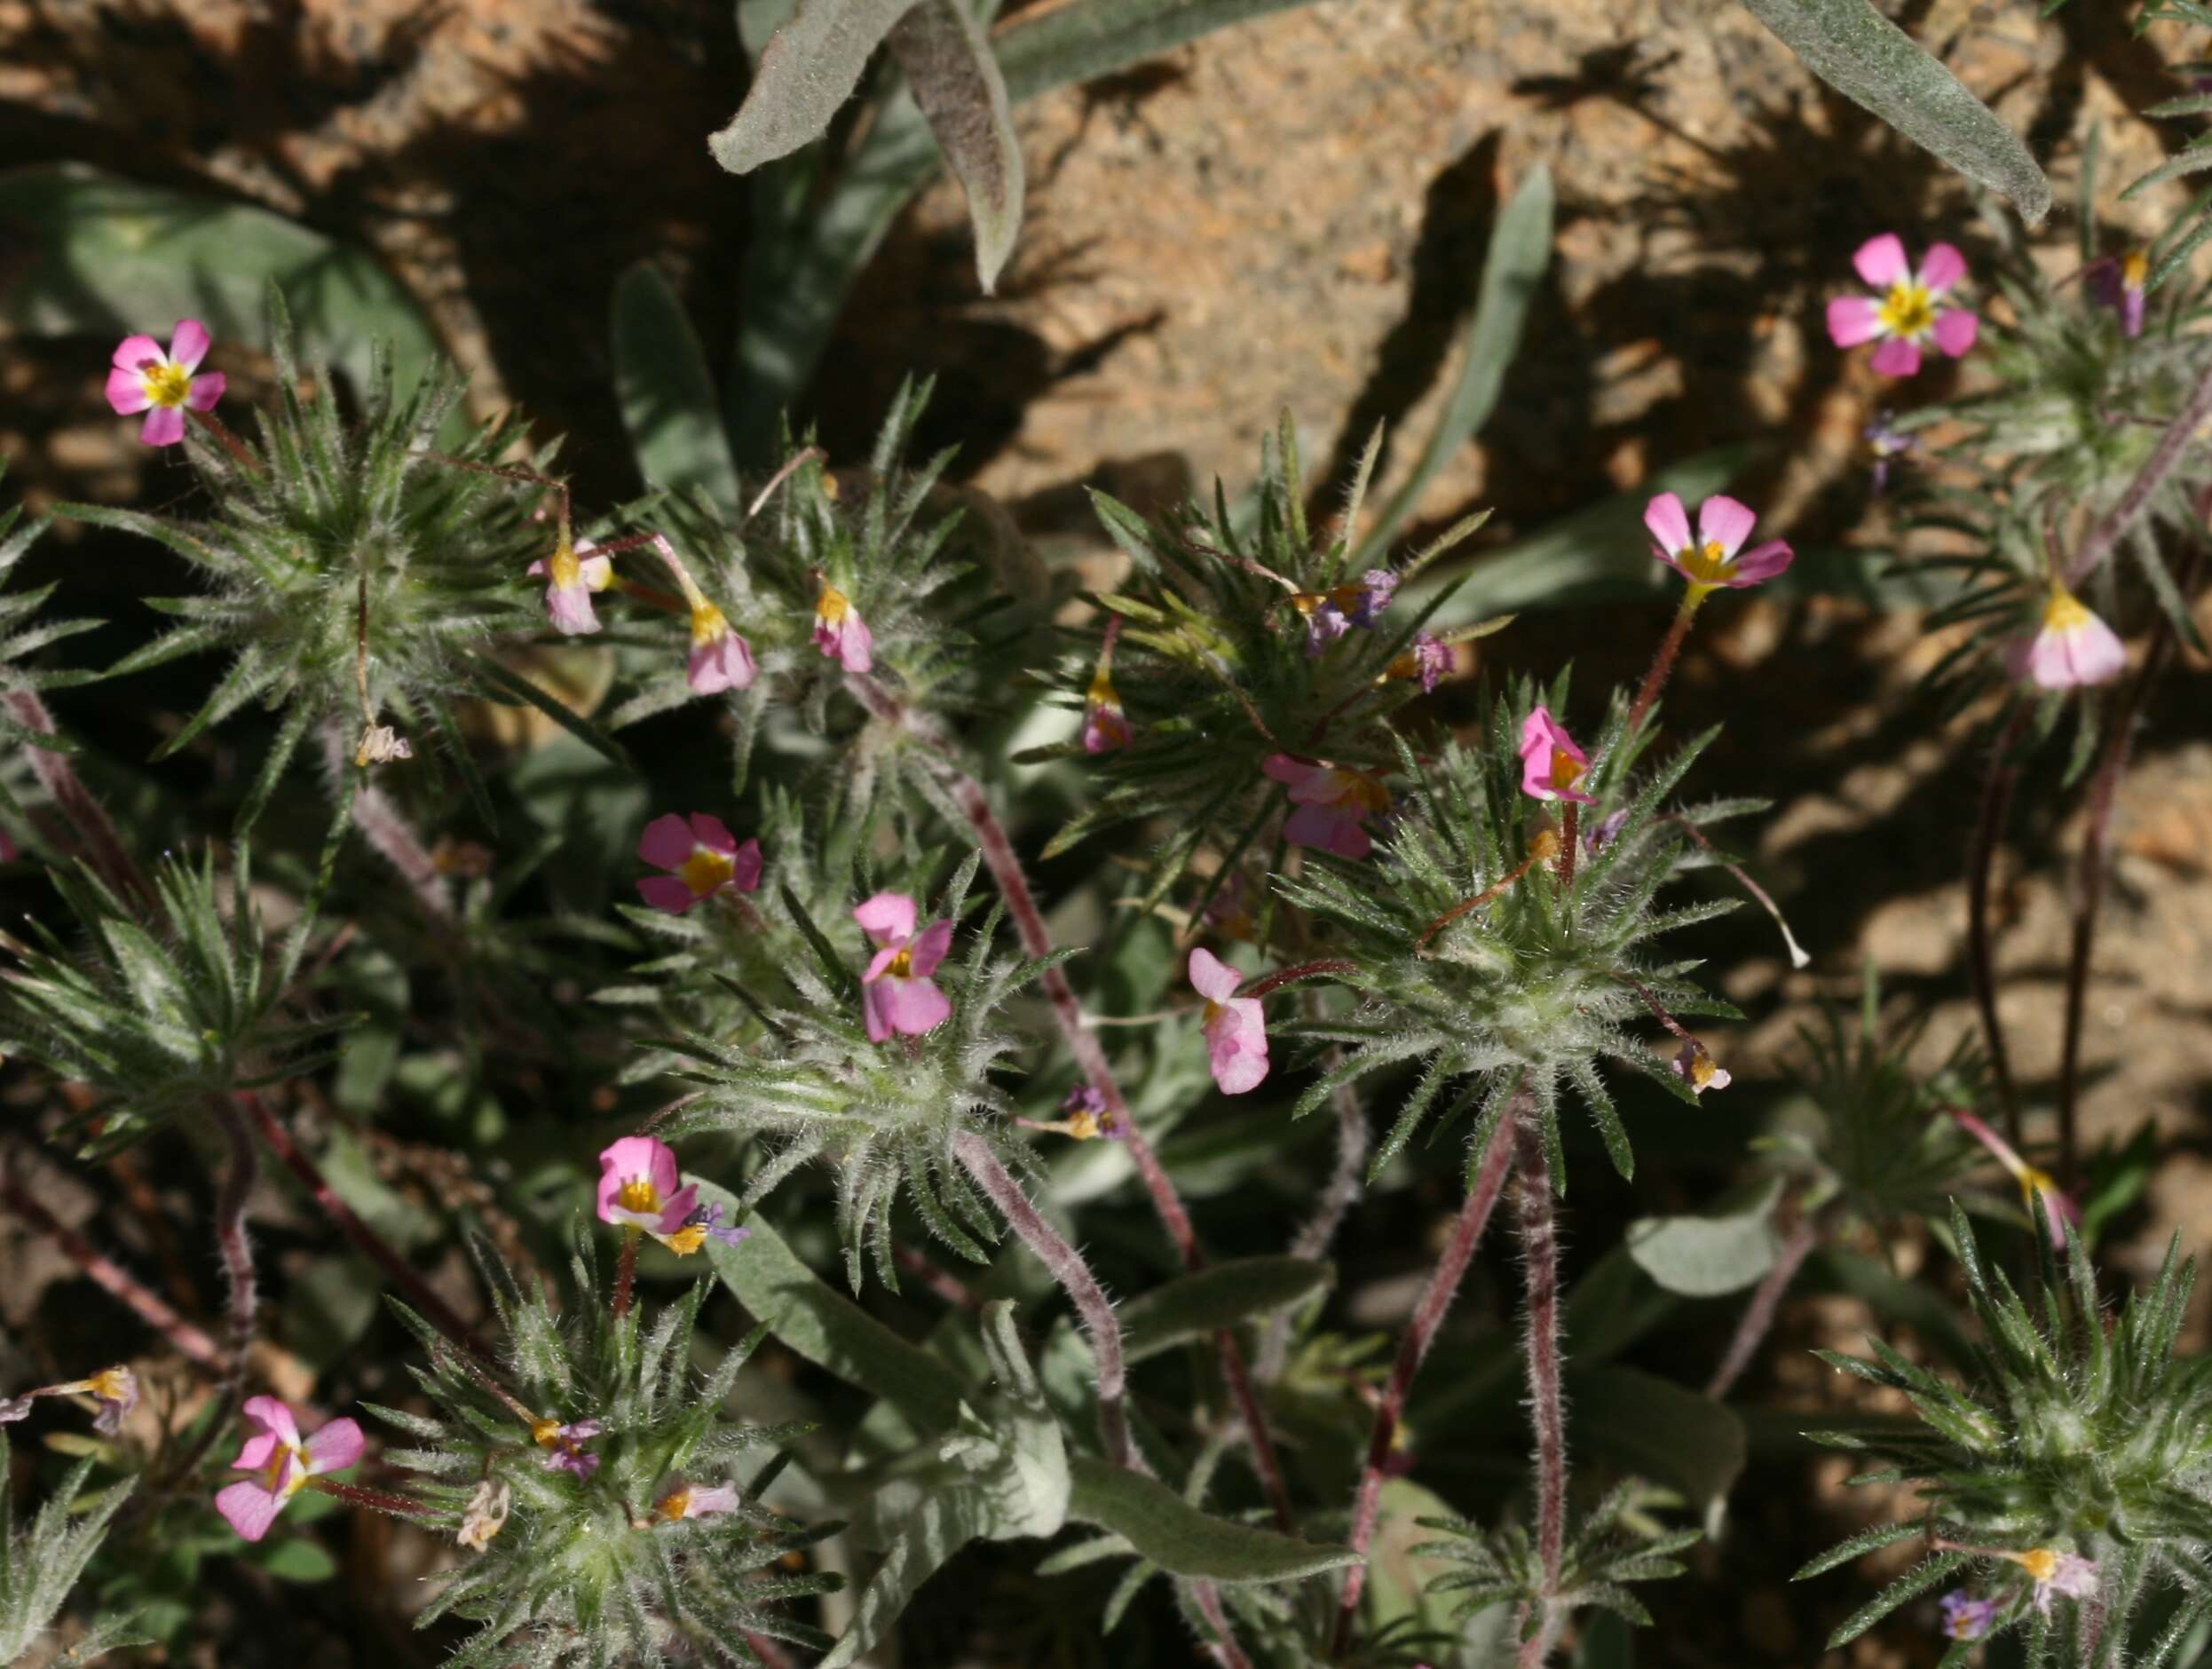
(810, 66)
(1177, 1537)
(1703, 1257)
(668, 402)
(1221, 1295)
(956, 81)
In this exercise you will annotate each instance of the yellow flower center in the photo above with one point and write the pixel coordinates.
(1357, 788)
(1701, 1069)
(1084, 1127)
(2134, 268)
(831, 606)
(1103, 692)
(1707, 563)
(902, 966)
(685, 1240)
(562, 567)
(707, 622)
(1566, 769)
(706, 870)
(2034, 1182)
(1212, 1012)
(674, 1505)
(2040, 1562)
(1908, 310)
(279, 1484)
(108, 1385)
(166, 384)
(637, 1195)
(2064, 611)
(547, 1433)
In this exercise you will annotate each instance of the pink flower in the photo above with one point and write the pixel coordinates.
(721, 660)
(639, 1189)
(1105, 728)
(282, 1464)
(1695, 1065)
(1333, 802)
(1551, 764)
(2055, 1572)
(572, 575)
(679, 1500)
(1236, 1028)
(1905, 315)
(702, 858)
(899, 995)
(2058, 1209)
(1426, 658)
(143, 377)
(2072, 649)
(564, 1444)
(2122, 283)
(1330, 614)
(1710, 561)
(840, 633)
(1966, 1617)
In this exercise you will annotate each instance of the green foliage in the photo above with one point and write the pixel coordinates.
(41, 1563)
(22, 635)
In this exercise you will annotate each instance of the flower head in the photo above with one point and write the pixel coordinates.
(1695, 1065)
(572, 574)
(679, 1499)
(144, 379)
(2056, 1573)
(1427, 658)
(114, 1391)
(1904, 315)
(2058, 1208)
(702, 857)
(1551, 763)
(897, 993)
(485, 1514)
(1083, 1114)
(2123, 283)
(1330, 614)
(721, 660)
(1966, 1617)
(1332, 804)
(1887, 445)
(840, 633)
(282, 1464)
(2071, 648)
(1715, 559)
(639, 1188)
(1105, 727)
(1235, 1027)
(564, 1444)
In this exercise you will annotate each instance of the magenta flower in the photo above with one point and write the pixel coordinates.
(702, 858)
(572, 574)
(1427, 658)
(1330, 614)
(1236, 1028)
(1551, 764)
(721, 660)
(2056, 1573)
(1710, 561)
(1966, 1617)
(282, 1465)
(564, 1444)
(2122, 283)
(679, 1500)
(1905, 315)
(1695, 1065)
(144, 379)
(1333, 803)
(840, 633)
(897, 993)
(2072, 647)
(639, 1189)
(1105, 727)
(2058, 1209)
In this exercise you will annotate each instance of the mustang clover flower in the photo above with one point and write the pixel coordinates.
(1905, 316)
(641, 1191)
(282, 1465)
(2058, 1208)
(1551, 763)
(1695, 1065)
(1235, 1027)
(1715, 559)
(1427, 658)
(1966, 1617)
(2123, 283)
(840, 633)
(144, 379)
(899, 995)
(1333, 802)
(1330, 614)
(572, 574)
(702, 857)
(679, 1500)
(2072, 649)
(485, 1514)
(563, 1443)
(115, 1390)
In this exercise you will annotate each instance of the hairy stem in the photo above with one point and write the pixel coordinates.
(1264, 1460)
(1663, 662)
(376, 1500)
(112, 1278)
(1067, 1267)
(1758, 1315)
(625, 1272)
(231, 1247)
(1338, 1196)
(1539, 1246)
(2161, 463)
(91, 833)
(1997, 803)
(1429, 1310)
(379, 1251)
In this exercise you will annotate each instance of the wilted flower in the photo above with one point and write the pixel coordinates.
(2073, 648)
(1235, 1027)
(2122, 283)
(1695, 1065)
(702, 856)
(1710, 561)
(282, 1464)
(679, 1500)
(144, 379)
(1551, 763)
(485, 1516)
(2058, 1208)
(1905, 316)
(572, 574)
(840, 633)
(1332, 804)
(1966, 1617)
(640, 1189)
(2056, 1573)
(897, 993)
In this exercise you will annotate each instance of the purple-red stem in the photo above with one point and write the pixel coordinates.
(1996, 801)
(379, 1251)
(1663, 662)
(112, 1278)
(1282, 976)
(1570, 841)
(1429, 1310)
(625, 1272)
(95, 836)
(1758, 1315)
(376, 1500)
(2156, 468)
(231, 1244)
(1264, 1460)
(1539, 1247)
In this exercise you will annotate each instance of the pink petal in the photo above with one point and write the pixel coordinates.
(164, 426)
(1896, 357)
(744, 866)
(856, 647)
(667, 843)
(680, 1205)
(887, 918)
(707, 1503)
(1955, 329)
(1329, 829)
(1236, 1047)
(1726, 522)
(1762, 561)
(189, 345)
(569, 608)
(1669, 522)
(206, 390)
(881, 963)
(713, 834)
(126, 391)
(336, 1447)
(723, 662)
(2097, 653)
(593, 574)
(133, 352)
(273, 1415)
(1852, 319)
(913, 1006)
(1881, 261)
(1213, 979)
(629, 1159)
(249, 1509)
(1941, 267)
(666, 892)
(257, 1452)
(875, 1008)
(1282, 767)
(930, 946)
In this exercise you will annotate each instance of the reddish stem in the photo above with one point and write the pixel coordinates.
(1269, 1464)
(1570, 841)
(1337, 1200)
(2172, 447)
(1536, 854)
(625, 1272)
(1996, 801)
(95, 840)
(1429, 1310)
(1758, 1315)
(376, 1500)
(237, 448)
(1282, 976)
(1663, 662)
(1539, 1246)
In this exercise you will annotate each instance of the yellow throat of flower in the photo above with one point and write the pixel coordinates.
(674, 1505)
(1212, 1012)
(1908, 311)
(1102, 690)
(707, 622)
(545, 1433)
(279, 1484)
(902, 966)
(1566, 769)
(831, 606)
(563, 567)
(1707, 563)
(706, 870)
(107, 1384)
(685, 1240)
(2134, 268)
(166, 384)
(2040, 1562)
(639, 1195)
(2064, 611)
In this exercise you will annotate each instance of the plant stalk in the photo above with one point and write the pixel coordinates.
(626, 1271)
(1663, 662)
(1997, 803)
(1539, 1246)
(1759, 1316)
(386, 828)
(95, 838)
(2161, 463)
